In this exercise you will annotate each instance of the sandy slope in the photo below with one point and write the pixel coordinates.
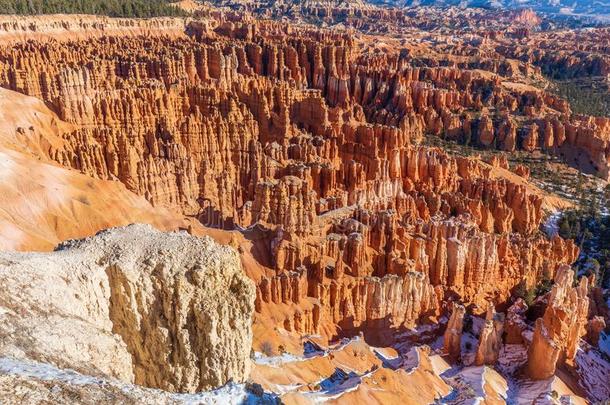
(42, 204)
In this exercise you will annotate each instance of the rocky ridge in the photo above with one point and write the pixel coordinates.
(167, 311)
(304, 148)
(287, 137)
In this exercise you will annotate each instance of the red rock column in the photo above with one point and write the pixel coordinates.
(490, 340)
(453, 333)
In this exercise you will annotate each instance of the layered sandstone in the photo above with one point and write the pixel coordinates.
(310, 144)
(557, 333)
(72, 27)
(506, 52)
(452, 342)
(167, 311)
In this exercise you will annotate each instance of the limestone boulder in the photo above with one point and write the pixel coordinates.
(162, 310)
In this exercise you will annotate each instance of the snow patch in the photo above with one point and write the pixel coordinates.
(336, 385)
(604, 342)
(512, 358)
(276, 361)
(551, 225)
(594, 372)
(309, 352)
(230, 394)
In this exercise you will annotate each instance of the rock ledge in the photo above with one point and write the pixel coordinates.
(162, 310)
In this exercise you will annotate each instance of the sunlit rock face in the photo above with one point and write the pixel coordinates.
(161, 310)
(557, 334)
(285, 134)
(308, 149)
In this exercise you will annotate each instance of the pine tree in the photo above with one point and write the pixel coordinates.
(113, 8)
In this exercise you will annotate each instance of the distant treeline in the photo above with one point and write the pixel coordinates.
(587, 100)
(112, 8)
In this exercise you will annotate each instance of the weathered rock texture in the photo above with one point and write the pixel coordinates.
(73, 27)
(515, 323)
(557, 333)
(52, 203)
(308, 140)
(163, 310)
(453, 334)
(490, 339)
(309, 144)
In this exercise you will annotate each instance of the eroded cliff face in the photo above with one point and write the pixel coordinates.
(305, 149)
(75, 27)
(557, 333)
(162, 310)
(53, 203)
(308, 143)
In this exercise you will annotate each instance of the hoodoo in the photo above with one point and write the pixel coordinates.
(490, 340)
(453, 334)
(304, 202)
(557, 333)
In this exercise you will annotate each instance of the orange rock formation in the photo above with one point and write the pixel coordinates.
(299, 137)
(453, 333)
(556, 335)
(307, 149)
(490, 340)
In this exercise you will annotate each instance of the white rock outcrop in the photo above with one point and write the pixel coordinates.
(162, 310)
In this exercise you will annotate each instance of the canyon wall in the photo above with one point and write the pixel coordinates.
(310, 146)
(308, 149)
(162, 310)
(74, 27)
(53, 203)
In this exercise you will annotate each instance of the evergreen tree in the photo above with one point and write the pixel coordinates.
(112, 8)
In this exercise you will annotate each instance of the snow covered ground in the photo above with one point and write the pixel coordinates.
(470, 344)
(339, 383)
(389, 360)
(230, 394)
(511, 359)
(594, 372)
(551, 225)
(308, 353)
(276, 361)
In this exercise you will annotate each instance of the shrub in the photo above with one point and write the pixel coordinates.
(526, 294)
(267, 348)
(543, 287)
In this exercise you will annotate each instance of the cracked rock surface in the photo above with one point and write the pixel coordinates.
(162, 310)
